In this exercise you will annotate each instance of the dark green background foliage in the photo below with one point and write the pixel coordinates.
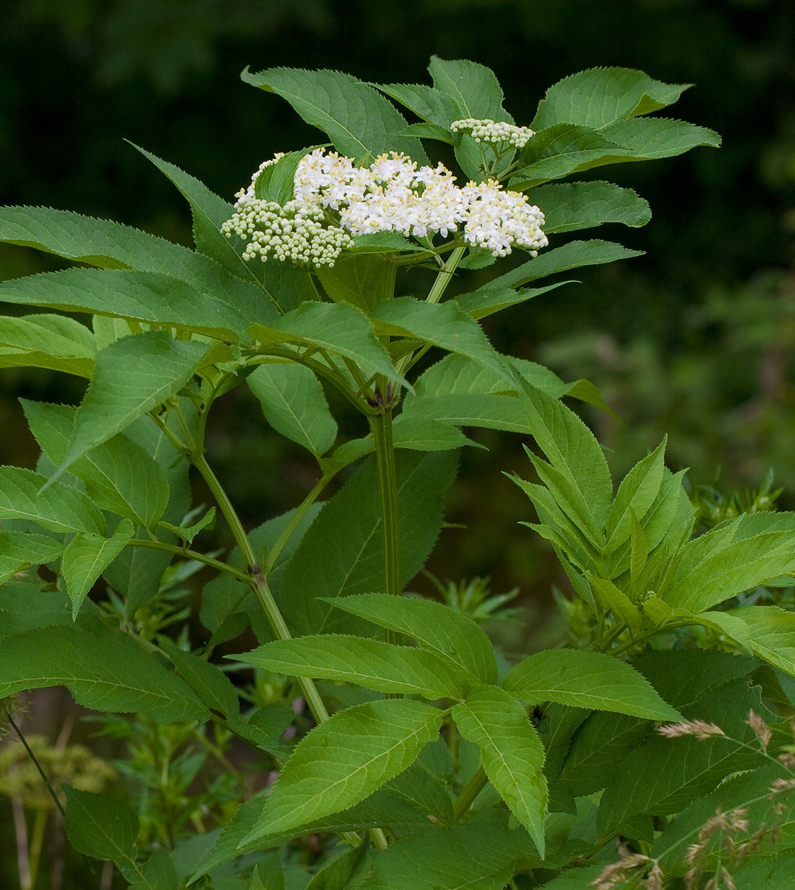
(693, 339)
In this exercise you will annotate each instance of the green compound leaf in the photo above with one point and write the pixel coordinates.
(100, 826)
(47, 341)
(20, 550)
(132, 376)
(372, 664)
(86, 558)
(442, 324)
(488, 300)
(294, 405)
(511, 752)
(339, 328)
(454, 637)
(359, 121)
(587, 680)
(119, 474)
(344, 760)
(342, 552)
(568, 207)
(573, 255)
(59, 508)
(131, 680)
(599, 97)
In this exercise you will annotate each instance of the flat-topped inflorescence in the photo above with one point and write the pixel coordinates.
(335, 201)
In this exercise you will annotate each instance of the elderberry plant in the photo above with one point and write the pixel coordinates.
(396, 750)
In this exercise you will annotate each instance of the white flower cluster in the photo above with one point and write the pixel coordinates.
(494, 133)
(391, 195)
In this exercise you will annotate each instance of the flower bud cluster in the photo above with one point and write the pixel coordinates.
(493, 133)
(334, 197)
(296, 231)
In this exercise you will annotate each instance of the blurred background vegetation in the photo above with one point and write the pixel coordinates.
(695, 339)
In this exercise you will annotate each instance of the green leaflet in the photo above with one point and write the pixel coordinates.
(649, 139)
(207, 680)
(97, 242)
(475, 92)
(188, 533)
(157, 873)
(132, 376)
(372, 664)
(441, 324)
(87, 556)
(218, 305)
(729, 570)
(766, 631)
(571, 206)
(363, 280)
(59, 508)
(131, 680)
(294, 405)
(473, 88)
(431, 104)
(561, 150)
(573, 255)
(119, 474)
(361, 123)
(100, 826)
(751, 792)
(342, 552)
(487, 300)
(344, 871)
(344, 760)
(636, 494)
(477, 855)
(454, 637)
(587, 680)
(47, 341)
(19, 550)
(339, 328)
(581, 475)
(663, 775)
(511, 753)
(598, 97)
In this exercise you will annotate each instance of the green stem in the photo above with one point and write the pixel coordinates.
(381, 426)
(470, 791)
(257, 580)
(284, 537)
(445, 275)
(190, 554)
